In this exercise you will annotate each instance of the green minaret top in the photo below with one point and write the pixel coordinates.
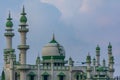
(53, 40)
(23, 18)
(88, 59)
(109, 46)
(97, 48)
(9, 22)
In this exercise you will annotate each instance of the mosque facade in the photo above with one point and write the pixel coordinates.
(52, 64)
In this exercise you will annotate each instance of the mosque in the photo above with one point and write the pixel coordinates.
(52, 64)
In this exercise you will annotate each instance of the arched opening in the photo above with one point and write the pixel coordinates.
(31, 76)
(61, 76)
(45, 76)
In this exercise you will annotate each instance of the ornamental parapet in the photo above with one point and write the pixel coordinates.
(23, 29)
(23, 47)
(23, 67)
(111, 70)
(9, 50)
(8, 34)
(88, 69)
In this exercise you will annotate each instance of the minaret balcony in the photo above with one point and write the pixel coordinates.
(89, 70)
(23, 47)
(23, 67)
(9, 34)
(9, 50)
(111, 70)
(23, 29)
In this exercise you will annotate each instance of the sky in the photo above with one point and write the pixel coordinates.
(78, 25)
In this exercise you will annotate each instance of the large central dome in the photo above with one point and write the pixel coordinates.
(53, 49)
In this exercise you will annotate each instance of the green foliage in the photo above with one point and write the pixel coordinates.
(3, 76)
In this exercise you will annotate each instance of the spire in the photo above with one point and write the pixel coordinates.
(71, 62)
(53, 36)
(88, 59)
(104, 64)
(23, 18)
(23, 11)
(9, 22)
(53, 39)
(109, 46)
(94, 61)
(38, 59)
(97, 48)
(9, 16)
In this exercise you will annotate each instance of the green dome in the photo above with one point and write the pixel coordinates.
(23, 19)
(97, 48)
(9, 24)
(109, 46)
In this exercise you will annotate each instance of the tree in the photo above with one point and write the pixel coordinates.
(3, 76)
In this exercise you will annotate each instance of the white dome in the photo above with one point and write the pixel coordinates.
(53, 48)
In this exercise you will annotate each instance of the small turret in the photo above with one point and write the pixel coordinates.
(94, 65)
(38, 60)
(94, 61)
(97, 55)
(88, 62)
(111, 69)
(104, 63)
(71, 62)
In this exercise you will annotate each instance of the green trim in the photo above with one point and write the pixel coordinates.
(109, 46)
(97, 48)
(61, 74)
(54, 57)
(9, 22)
(45, 73)
(31, 74)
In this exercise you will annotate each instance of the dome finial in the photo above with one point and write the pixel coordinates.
(53, 39)
(23, 18)
(109, 46)
(23, 11)
(53, 36)
(9, 16)
(97, 48)
(9, 22)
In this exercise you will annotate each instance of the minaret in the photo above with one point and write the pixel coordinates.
(23, 47)
(88, 62)
(111, 69)
(94, 65)
(9, 55)
(104, 63)
(9, 35)
(109, 52)
(97, 55)
(23, 30)
(71, 64)
(52, 68)
(38, 65)
(111, 61)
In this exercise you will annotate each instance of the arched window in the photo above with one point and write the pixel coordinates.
(80, 76)
(61, 76)
(31, 76)
(77, 77)
(45, 76)
(15, 75)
